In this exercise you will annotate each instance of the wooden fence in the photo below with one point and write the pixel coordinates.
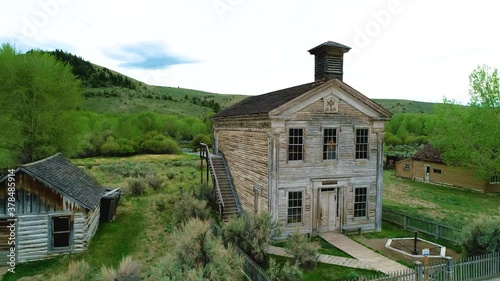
(474, 268)
(437, 230)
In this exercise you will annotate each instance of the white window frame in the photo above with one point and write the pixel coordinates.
(356, 143)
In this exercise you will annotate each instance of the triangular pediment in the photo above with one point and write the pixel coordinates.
(326, 100)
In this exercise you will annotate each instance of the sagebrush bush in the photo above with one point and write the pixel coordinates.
(286, 272)
(304, 253)
(482, 237)
(128, 270)
(155, 181)
(197, 255)
(253, 233)
(137, 186)
(188, 206)
(170, 175)
(77, 271)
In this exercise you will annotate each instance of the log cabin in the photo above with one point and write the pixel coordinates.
(56, 209)
(427, 165)
(311, 154)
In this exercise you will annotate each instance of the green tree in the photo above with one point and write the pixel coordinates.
(482, 237)
(468, 136)
(38, 97)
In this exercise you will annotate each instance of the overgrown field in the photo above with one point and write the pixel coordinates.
(451, 206)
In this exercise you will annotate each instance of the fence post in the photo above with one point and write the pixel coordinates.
(404, 221)
(436, 231)
(418, 271)
(449, 268)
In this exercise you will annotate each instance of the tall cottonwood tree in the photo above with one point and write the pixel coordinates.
(38, 99)
(469, 136)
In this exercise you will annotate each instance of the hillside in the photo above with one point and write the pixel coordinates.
(109, 91)
(405, 106)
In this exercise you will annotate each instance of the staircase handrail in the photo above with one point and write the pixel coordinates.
(231, 183)
(204, 153)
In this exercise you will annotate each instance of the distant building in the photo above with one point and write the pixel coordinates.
(57, 209)
(428, 166)
(311, 154)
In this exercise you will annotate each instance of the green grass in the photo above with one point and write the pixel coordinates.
(446, 205)
(327, 271)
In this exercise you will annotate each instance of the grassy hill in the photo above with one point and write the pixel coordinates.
(405, 106)
(109, 91)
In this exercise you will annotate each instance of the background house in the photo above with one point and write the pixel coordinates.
(311, 155)
(57, 207)
(428, 166)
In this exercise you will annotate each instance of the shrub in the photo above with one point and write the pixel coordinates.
(253, 233)
(187, 206)
(482, 237)
(287, 272)
(154, 181)
(137, 186)
(77, 271)
(161, 204)
(159, 144)
(128, 270)
(197, 255)
(170, 175)
(304, 253)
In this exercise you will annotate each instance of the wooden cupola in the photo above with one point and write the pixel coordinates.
(328, 60)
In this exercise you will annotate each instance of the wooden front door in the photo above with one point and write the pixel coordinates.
(328, 210)
(427, 172)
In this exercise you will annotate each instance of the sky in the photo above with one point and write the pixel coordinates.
(401, 49)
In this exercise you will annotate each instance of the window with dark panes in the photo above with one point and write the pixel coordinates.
(360, 201)
(294, 213)
(361, 143)
(295, 144)
(61, 232)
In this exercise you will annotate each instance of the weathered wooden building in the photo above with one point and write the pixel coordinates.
(56, 207)
(428, 166)
(311, 155)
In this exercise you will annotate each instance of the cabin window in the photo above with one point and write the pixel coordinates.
(61, 232)
(295, 144)
(407, 167)
(294, 214)
(495, 179)
(361, 143)
(329, 144)
(436, 171)
(360, 202)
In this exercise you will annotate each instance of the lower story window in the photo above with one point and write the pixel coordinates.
(61, 232)
(495, 179)
(294, 213)
(360, 202)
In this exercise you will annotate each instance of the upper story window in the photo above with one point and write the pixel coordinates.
(295, 144)
(361, 143)
(329, 144)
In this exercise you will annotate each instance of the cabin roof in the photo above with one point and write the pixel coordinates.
(429, 153)
(263, 104)
(59, 173)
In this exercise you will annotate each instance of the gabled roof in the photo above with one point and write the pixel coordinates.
(263, 104)
(429, 153)
(60, 174)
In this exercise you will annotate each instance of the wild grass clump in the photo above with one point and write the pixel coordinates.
(187, 207)
(155, 181)
(285, 272)
(128, 270)
(137, 187)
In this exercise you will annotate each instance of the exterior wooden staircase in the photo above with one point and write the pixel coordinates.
(226, 187)
(225, 193)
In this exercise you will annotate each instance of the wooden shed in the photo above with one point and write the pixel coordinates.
(428, 166)
(57, 208)
(311, 154)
